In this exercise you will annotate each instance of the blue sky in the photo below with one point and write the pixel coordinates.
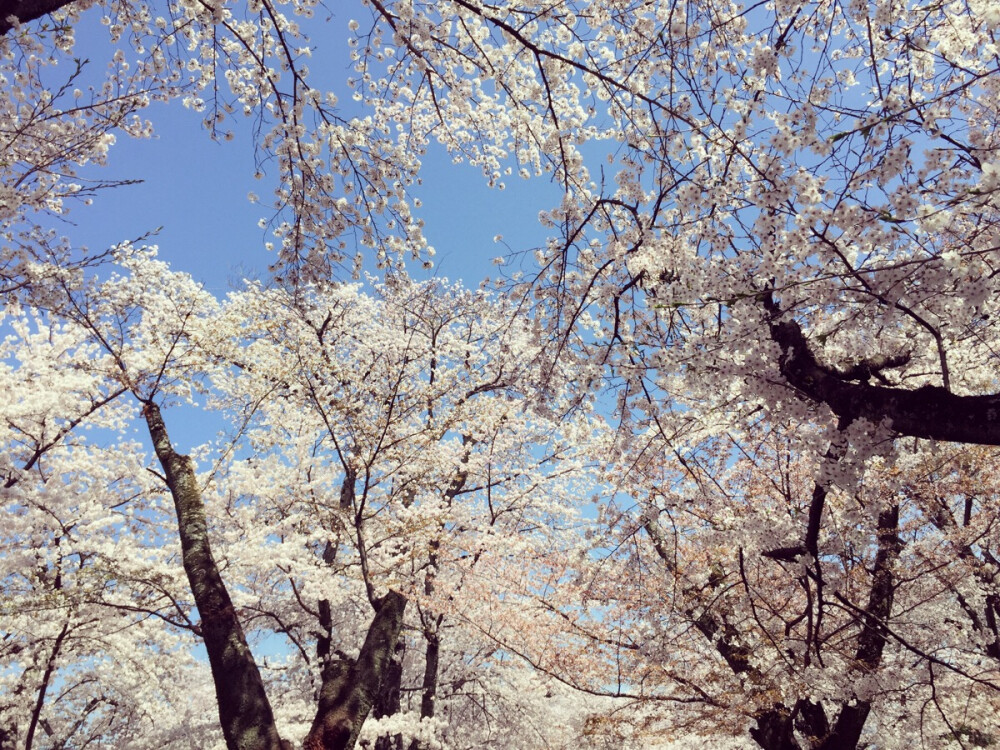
(194, 192)
(196, 189)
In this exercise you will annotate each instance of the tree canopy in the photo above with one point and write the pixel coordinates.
(715, 460)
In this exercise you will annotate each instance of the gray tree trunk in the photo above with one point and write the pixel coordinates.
(244, 711)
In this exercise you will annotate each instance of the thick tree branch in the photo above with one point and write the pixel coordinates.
(929, 412)
(874, 632)
(350, 687)
(50, 668)
(388, 702)
(26, 10)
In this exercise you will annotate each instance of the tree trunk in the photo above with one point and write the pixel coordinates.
(871, 642)
(244, 711)
(387, 702)
(432, 653)
(349, 688)
(774, 730)
(429, 686)
(776, 726)
(50, 668)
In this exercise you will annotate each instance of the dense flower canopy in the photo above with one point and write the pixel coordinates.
(761, 333)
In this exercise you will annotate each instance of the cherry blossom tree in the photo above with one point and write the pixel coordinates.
(93, 612)
(800, 199)
(794, 217)
(713, 617)
(774, 187)
(777, 245)
(380, 448)
(412, 449)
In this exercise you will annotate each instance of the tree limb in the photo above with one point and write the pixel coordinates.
(26, 10)
(930, 412)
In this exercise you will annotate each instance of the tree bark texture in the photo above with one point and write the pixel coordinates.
(388, 701)
(432, 657)
(350, 687)
(244, 711)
